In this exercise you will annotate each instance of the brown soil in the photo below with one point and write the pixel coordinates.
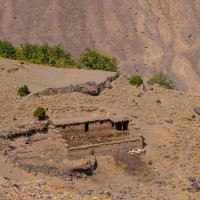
(172, 151)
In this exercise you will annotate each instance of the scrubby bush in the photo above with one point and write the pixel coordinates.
(163, 80)
(39, 113)
(92, 59)
(44, 54)
(55, 56)
(7, 50)
(158, 101)
(23, 91)
(136, 80)
(150, 162)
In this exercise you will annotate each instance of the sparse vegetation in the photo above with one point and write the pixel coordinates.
(150, 162)
(7, 50)
(44, 54)
(39, 113)
(55, 56)
(162, 79)
(23, 91)
(158, 101)
(92, 59)
(136, 80)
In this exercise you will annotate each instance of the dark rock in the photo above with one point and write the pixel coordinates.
(124, 192)
(195, 186)
(159, 181)
(35, 173)
(40, 183)
(150, 82)
(107, 193)
(72, 137)
(88, 88)
(197, 110)
(170, 121)
(4, 153)
(101, 192)
(193, 116)
(29, 141)
(192, 179)
(140, 94)
(89, 192)
(189, 119)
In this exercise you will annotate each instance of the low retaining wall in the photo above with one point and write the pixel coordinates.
(103, 149)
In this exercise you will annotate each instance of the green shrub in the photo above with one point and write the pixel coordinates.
(23, 91)
(94, 60)
(163, 80)
(39, 113)
(136, 80)
(158, 101)
(7, 50)
(150, 162)
(44, 54)
(55, 56)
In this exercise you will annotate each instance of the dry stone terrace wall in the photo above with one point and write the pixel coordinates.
(103, 149)
(26, 130)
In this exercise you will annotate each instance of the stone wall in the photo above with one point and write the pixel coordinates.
(90, 126)
(98, 126)
(103, 149)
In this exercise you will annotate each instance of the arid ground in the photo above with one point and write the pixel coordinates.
(168, 170)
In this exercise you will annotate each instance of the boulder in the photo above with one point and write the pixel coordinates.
(192, 179)
(29, 141)
(197, 110)
(170, 121)
(88, 88)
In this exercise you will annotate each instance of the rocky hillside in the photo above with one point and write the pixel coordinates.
(145, 35)
(168, 170)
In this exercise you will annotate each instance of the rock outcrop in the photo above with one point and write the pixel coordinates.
(91, 87)
(197, 110)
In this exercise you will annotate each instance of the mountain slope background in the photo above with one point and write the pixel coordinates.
(144, 35)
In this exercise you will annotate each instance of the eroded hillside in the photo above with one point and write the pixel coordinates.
(145, 35)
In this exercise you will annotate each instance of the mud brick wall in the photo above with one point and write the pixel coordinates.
(104, 125)
(75, 128)
(81, 128)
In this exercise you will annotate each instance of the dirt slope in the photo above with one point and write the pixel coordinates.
(171, 163)
(39, 78)
(145, 35)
